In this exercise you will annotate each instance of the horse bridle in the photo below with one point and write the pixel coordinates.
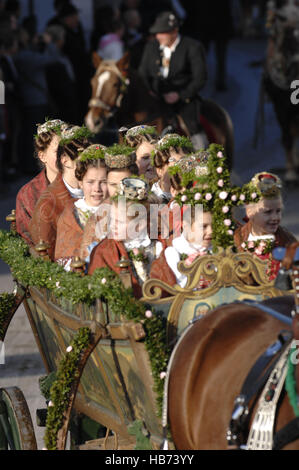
(98, 103)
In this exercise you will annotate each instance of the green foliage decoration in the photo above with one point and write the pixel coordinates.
(60, 391)
(214, 191)
(119, 149)
(104, 284)
(7, 303)
(290, 383)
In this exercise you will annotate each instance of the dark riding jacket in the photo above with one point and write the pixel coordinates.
(187, 69)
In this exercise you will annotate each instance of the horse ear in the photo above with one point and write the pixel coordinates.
(123, 63)
(96, 59)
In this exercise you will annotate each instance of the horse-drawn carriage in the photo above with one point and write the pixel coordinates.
(114, 364)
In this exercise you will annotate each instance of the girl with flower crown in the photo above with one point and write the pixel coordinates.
(123, 241)
(168, 150)
(65, 187)
(91, 172)
(142, 139)
(196, 238)
(262, 231)
(120, 163)
(46, 145)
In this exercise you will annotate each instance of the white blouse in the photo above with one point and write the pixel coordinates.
(180, 246)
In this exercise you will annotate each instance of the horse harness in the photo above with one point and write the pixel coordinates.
(268, 372)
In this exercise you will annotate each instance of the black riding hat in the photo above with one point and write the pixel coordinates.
(164, 23)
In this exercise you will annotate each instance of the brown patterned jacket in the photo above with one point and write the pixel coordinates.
(69, 234)
(26, 201)
(106, 254)
(50, 205)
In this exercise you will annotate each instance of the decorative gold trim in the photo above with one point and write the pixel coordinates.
(243, 271)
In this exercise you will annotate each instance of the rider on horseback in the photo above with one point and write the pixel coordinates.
(174, 69)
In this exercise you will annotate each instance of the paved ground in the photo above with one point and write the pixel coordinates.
(23, 365)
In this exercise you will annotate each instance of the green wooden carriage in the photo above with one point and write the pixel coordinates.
(114, 395)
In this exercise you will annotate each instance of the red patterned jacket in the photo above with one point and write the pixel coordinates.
(26, 201)
(50, 205)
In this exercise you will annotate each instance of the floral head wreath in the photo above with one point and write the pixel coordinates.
(93, 152)
(212, 189)
(264, 185)
(191, 167)
(74, 133)
(134, 189)
(55, 125)
(173, 141)
(119, 156)
(138, 131)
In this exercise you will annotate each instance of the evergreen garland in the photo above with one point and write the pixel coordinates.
(213, 190)
(60, 391)
(7, 302)
(104, 283)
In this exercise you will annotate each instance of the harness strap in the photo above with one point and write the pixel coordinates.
(252, 385)
(289, 433)
(260, 436)
(269, 310)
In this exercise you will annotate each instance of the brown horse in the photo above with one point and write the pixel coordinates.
(118, 91)
(209, 368)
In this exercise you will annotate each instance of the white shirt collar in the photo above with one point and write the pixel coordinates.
(156, 189)
(81, 204)
(169, 50)
(137, 243)
(76, 193)
(260, 237)
(184, 247)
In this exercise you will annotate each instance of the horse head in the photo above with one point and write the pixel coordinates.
(109, 84)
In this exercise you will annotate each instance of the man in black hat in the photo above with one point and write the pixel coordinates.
(174, 69)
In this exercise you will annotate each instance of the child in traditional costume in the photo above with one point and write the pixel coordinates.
(262, 232)
(143, 139)
(65, 187)
(168, 150)
(120, 243)
(194, 240)
(91, 172)
(46, 145)
(120, 163)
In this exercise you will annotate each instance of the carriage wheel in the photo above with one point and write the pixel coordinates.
(16, 428)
